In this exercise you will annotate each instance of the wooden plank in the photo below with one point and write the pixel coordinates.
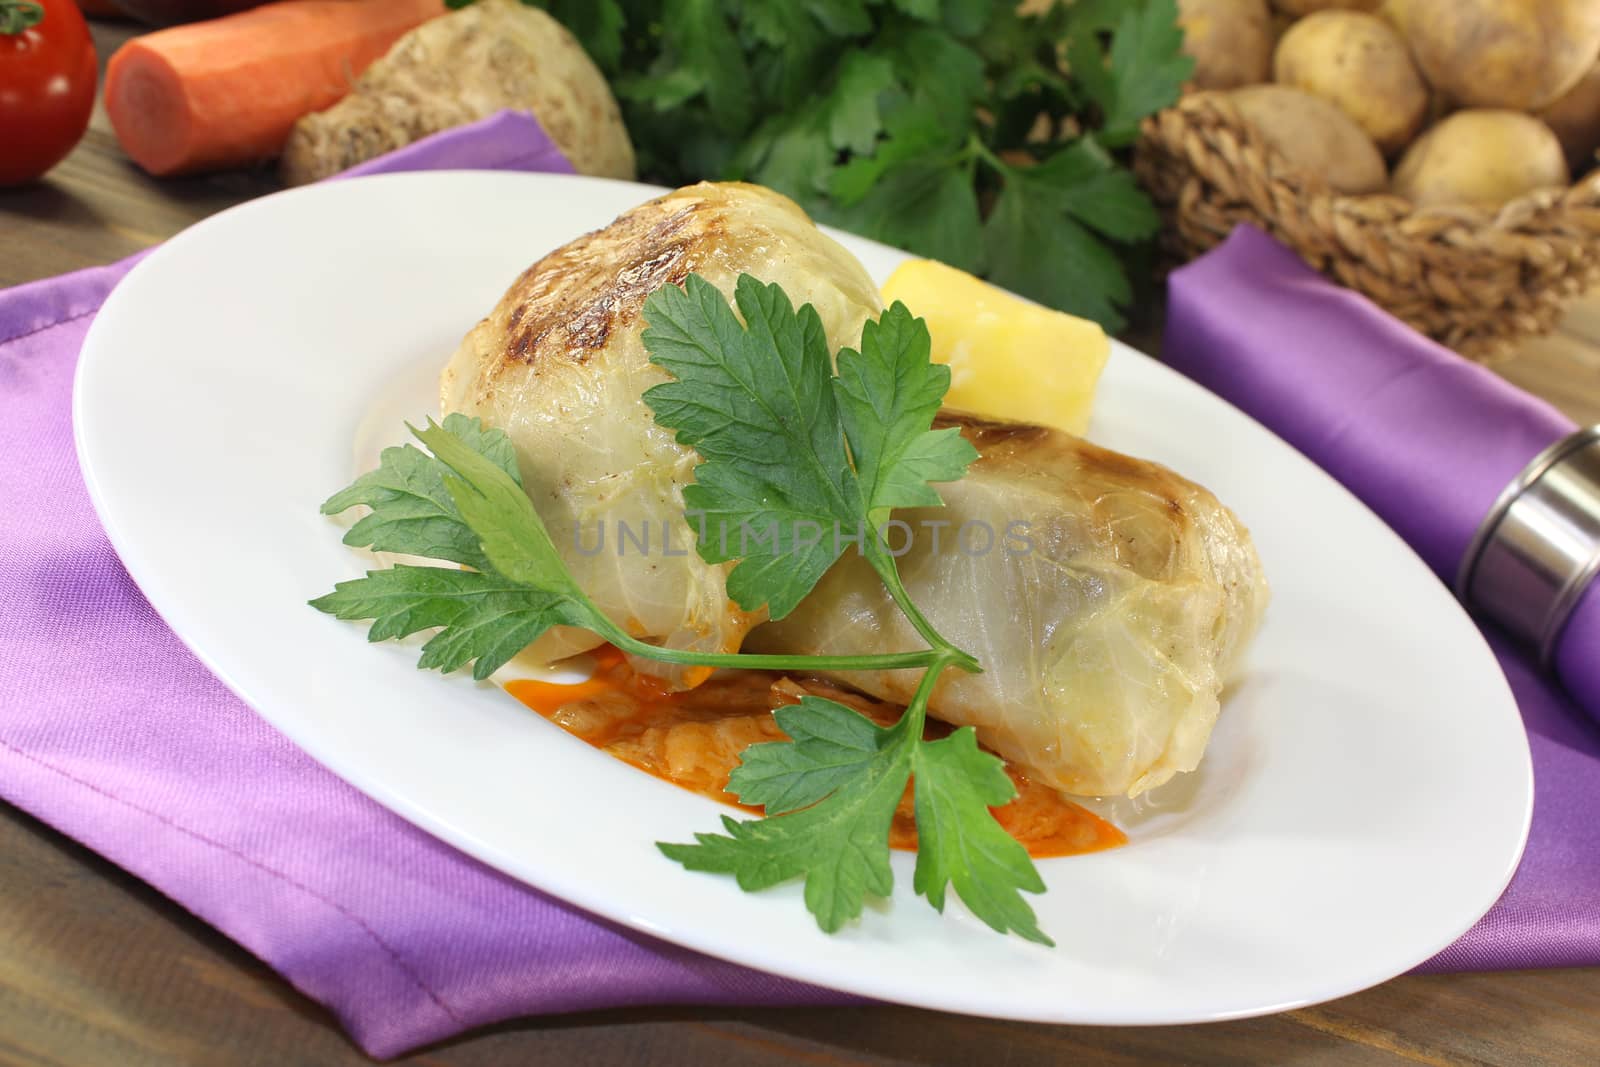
(1564, 368)
(1582, 319)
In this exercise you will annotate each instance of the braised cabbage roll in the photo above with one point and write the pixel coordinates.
(1107, 598)
(560, 366)
(1112, 600)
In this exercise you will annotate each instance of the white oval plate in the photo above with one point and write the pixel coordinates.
(1364, 801)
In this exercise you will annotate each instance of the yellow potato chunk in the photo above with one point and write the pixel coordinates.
(1008, 358)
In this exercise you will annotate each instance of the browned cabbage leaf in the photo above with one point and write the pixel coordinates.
(559, 365)
(1106, 597)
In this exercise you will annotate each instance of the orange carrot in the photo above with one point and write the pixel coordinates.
(226, 92)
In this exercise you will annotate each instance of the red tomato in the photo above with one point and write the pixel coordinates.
(47, 76)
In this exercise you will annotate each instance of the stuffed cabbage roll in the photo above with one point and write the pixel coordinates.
(1107, 598)
(1105, 643)
(560, 366)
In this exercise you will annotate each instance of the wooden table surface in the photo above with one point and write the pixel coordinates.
(97, 968)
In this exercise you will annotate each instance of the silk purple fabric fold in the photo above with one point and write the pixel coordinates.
(113, 733)
(1428, 440)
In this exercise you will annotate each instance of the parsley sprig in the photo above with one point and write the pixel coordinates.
(790, 447)
(961, 130)
(465, 504)
(785, 442)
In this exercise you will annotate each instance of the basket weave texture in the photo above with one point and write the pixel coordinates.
(1475, 279)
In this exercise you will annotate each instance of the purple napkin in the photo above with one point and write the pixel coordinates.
(1428, 440)
(113, 733)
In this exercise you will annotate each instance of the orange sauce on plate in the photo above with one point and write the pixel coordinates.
(693, 739)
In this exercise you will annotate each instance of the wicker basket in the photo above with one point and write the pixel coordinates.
(1475, 279)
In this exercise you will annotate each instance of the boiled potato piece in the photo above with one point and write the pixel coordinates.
(1008, 358)
(1359, 63)
(1230, 40)
(1575, 120)
(1313, 135)
(1481, 157)
(1308, 7)
(1518, 54)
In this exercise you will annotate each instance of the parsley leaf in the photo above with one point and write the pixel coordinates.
(959, 842)
(757, 402)
(938, 72)
(792, 154)
(510, 532)
(888, 394)
(1049, 257)
(597, 24)
(916, 133)
(777, 490)
(1143, 72)
(1083, 181)
(831, 794)
(915, 190)
(926, 10)
(829, 744)
(700, 57)
(843, 18)
(966, 18)
(1037, 240)
(412, 513)
(1096, 16)
(854, 118)
(922, 206)
(484, 618)
(840, 844)
(465, 504)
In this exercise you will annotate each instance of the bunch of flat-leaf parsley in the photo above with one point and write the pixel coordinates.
(961, 130)
(785, 443)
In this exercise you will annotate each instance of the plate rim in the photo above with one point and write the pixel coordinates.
(176, 616)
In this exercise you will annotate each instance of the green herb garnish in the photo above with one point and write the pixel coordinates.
(783, 441)
(960, 130)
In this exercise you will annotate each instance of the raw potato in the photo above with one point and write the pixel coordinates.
(1575, 120)
(1359, 63)
(460, 68)
(1308, 7)
(1481, 157)
(1313, 135)
(1518, 54)
(1230, 40)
